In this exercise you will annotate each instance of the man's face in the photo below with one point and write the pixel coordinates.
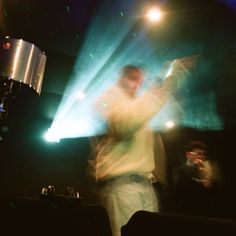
(132, 82)
(196, 155)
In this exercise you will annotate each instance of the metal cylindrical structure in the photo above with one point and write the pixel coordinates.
(23, 62)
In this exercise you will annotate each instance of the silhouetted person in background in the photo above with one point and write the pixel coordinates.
(197, 183)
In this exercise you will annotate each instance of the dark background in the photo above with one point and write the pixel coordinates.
(27, 163)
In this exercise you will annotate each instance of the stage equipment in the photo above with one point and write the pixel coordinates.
(21, 64)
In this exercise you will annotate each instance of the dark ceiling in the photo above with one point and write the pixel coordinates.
(52, 25)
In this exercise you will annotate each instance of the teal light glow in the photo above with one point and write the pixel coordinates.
(201, 113)
(113, 40)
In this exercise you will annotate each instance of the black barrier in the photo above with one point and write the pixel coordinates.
(52, 216)
(163, 224)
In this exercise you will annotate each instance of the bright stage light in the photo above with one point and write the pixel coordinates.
(170, 124)
(51, 136)
(80, 95)
(154, 15)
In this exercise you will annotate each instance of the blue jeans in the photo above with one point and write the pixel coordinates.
(122, 196)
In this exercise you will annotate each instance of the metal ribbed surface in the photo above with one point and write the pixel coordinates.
(23, 62)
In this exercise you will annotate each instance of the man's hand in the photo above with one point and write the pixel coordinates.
(175, 72)
(188, 62)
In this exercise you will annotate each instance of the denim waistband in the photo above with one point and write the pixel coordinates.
(135, 177)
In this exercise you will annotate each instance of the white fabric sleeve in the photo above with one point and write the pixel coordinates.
(124, 118)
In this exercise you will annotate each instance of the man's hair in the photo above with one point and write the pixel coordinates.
(127, 69)
(195, 144)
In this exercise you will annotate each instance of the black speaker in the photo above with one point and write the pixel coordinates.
(164, 224)
(52, 216)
